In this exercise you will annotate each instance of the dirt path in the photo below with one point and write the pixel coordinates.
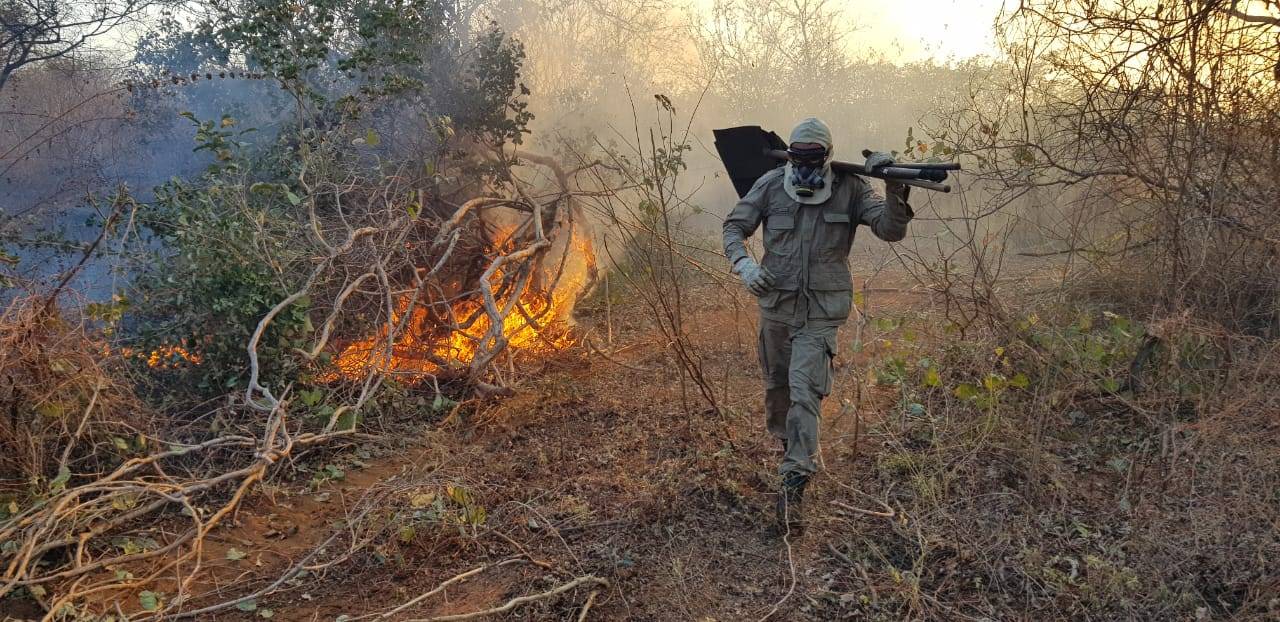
(593, 469)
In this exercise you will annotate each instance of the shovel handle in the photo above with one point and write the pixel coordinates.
(927, 185)
(924, 166)
(906, 174)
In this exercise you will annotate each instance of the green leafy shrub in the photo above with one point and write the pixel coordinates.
(224, 253)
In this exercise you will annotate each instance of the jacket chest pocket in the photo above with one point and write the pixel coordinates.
(780, 230)
(834, 236)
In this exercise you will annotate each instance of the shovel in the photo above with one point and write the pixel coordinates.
(750, 151)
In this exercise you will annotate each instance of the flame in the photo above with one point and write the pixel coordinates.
(172, 356)
(424, 347)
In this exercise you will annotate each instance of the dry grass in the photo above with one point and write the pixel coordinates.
(1112, 469)
(1057, 500)
(65, 406)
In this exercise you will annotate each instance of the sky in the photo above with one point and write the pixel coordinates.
(917, 30)
(930, 29)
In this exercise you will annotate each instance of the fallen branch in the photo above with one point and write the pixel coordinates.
(586, 607)
(888, 513)
(440, 588)
(791, 564)
(520, 600)
(594, 350)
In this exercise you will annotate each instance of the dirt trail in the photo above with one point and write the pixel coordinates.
(592, 469)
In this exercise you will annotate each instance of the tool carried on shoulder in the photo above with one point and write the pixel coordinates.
(750, 151)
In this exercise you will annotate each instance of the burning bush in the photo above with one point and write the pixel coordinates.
(392, 233)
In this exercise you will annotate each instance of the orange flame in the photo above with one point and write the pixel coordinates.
(171, 356)
(423, 347)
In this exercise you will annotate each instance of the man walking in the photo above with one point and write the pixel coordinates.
(804, 288)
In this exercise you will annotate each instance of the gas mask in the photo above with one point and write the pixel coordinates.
(808, 169)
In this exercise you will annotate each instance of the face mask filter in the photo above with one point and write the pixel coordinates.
(807, 168)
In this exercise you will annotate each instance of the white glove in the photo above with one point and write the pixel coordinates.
(754, 276)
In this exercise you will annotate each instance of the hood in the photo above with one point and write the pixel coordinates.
(811, 130)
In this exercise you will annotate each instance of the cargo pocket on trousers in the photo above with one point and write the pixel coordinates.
(830, 342)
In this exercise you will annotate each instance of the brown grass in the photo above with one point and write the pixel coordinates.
(63, 401)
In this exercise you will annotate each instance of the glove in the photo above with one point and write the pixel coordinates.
(754, 276)
(876, 159)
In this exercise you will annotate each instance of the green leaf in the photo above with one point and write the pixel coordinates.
(966, 391)
(371, 138)
(993, 382)
(475, 515)
(460, 495)
(127, 546)
(293, 198)
(124, 502)
(149, 600)
(406, 534)
(442, 403)
(1020, 381)
(348, 420)
(247, 605)
(235, 554)
(311, 397)
(931, 378)
(60, 482)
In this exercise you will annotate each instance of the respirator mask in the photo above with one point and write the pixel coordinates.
(808, 169)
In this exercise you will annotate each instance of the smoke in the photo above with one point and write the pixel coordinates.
(74, 130)
(595, 66)
(77, 130)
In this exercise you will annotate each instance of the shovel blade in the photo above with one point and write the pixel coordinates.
(744, 150)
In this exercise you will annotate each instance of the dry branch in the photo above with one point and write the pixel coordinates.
(521, 600)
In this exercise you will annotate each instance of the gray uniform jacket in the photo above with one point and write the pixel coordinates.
(807, 246)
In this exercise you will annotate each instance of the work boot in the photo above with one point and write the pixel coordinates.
(791, 504)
